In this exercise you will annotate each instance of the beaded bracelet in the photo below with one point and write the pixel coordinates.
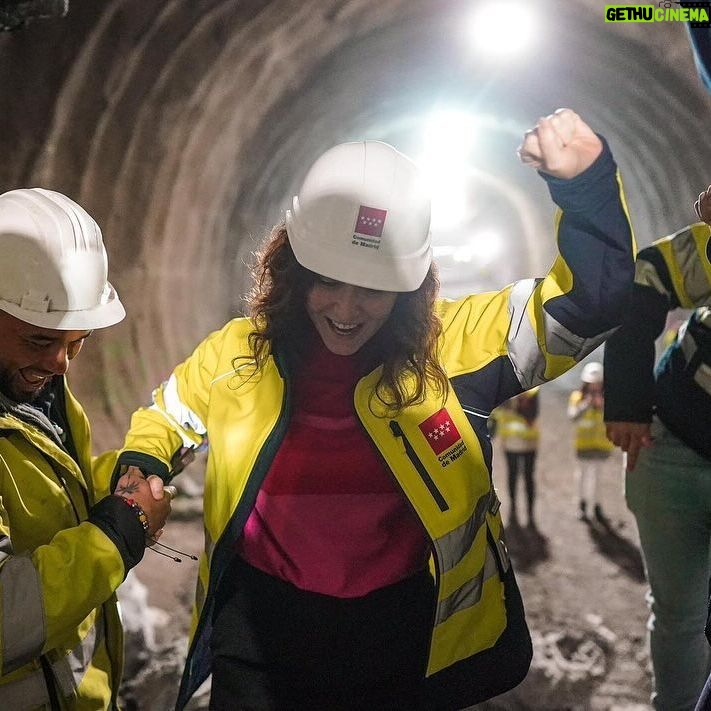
(140, 513)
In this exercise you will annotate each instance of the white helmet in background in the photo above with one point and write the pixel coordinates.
(592, 373)
(53, 265)
(362, 216)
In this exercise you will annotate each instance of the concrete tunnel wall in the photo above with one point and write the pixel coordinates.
(183, 127)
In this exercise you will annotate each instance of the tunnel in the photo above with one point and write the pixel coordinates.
(185, 127)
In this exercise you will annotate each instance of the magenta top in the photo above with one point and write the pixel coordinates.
(330, 516)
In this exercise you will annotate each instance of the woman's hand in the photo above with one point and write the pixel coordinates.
(561, 145)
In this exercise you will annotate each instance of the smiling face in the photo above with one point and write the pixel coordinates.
(346, 316)
(30, 356)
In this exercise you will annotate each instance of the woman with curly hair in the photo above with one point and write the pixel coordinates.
(355, 555)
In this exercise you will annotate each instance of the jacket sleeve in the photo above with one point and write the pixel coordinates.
(46, 591)
(536, 329)
(672, 272)
(176, 419)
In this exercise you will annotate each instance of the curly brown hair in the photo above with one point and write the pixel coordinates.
(408, 348)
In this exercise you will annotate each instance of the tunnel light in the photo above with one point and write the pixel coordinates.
(503, 28)
(481, 247)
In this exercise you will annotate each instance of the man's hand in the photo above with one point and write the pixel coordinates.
(630, 437)
(703, 206)
(150, 494)
(561, 144)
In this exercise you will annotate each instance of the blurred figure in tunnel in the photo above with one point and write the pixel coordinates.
(661, 418)
(354, 545)
(592, 447)
(65, 543)
(517, 428)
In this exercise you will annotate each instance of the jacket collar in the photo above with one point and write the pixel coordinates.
(30, 415)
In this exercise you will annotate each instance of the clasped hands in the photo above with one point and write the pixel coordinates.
(150, 494)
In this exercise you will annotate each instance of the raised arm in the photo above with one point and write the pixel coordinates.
(535, 329)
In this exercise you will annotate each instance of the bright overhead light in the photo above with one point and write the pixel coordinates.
(483, 246)
(501, 28)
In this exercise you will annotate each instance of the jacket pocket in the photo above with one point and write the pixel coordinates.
(419, 467)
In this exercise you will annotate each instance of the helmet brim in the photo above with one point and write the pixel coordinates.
(106, 314)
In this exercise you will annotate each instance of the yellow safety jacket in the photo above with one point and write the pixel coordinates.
(54, 566)
(493, 346)
(512, 426)
(673, 272)
(590, 436)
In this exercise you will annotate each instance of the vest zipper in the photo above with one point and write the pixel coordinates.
(419, 466)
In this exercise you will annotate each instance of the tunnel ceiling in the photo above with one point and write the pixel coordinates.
(184, 127)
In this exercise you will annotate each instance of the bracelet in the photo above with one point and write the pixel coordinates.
(140, 513)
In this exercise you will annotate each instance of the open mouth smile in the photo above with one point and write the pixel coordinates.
(343, 329)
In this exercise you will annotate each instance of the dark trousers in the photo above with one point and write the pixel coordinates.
(525, 462)
(275, 646)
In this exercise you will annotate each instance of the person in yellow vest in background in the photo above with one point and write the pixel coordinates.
(592, 447)
(517, 428)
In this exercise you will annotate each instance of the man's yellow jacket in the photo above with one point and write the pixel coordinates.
(493, 346)
(60, 632)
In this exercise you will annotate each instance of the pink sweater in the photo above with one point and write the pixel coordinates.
(330, 517)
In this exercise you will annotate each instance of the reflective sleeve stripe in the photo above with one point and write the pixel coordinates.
(452, 547)
(470, 593)
(562, 342)
(79, 660)
(30, 691)
(527, 358)
(181, 418)
(23, 618)
(646, 274)
(689, 270)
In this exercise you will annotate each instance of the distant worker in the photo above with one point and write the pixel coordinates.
(517, 428)
(592, 448)
(65, 543)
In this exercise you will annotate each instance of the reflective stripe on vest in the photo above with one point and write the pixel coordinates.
(181, 418)
(522, 340)
(79, 659)
(470, 593)
(525, 352)
(685, 256)
(23, 628)
(453, 546)
(30, 691)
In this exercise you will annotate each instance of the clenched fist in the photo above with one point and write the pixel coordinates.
(561, 145)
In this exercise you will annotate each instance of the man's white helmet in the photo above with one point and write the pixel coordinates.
(53, 265)
(592, 373)
(362, 216)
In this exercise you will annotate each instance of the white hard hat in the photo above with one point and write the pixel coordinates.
(53, 264)
(362, 216)
(592, 373)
